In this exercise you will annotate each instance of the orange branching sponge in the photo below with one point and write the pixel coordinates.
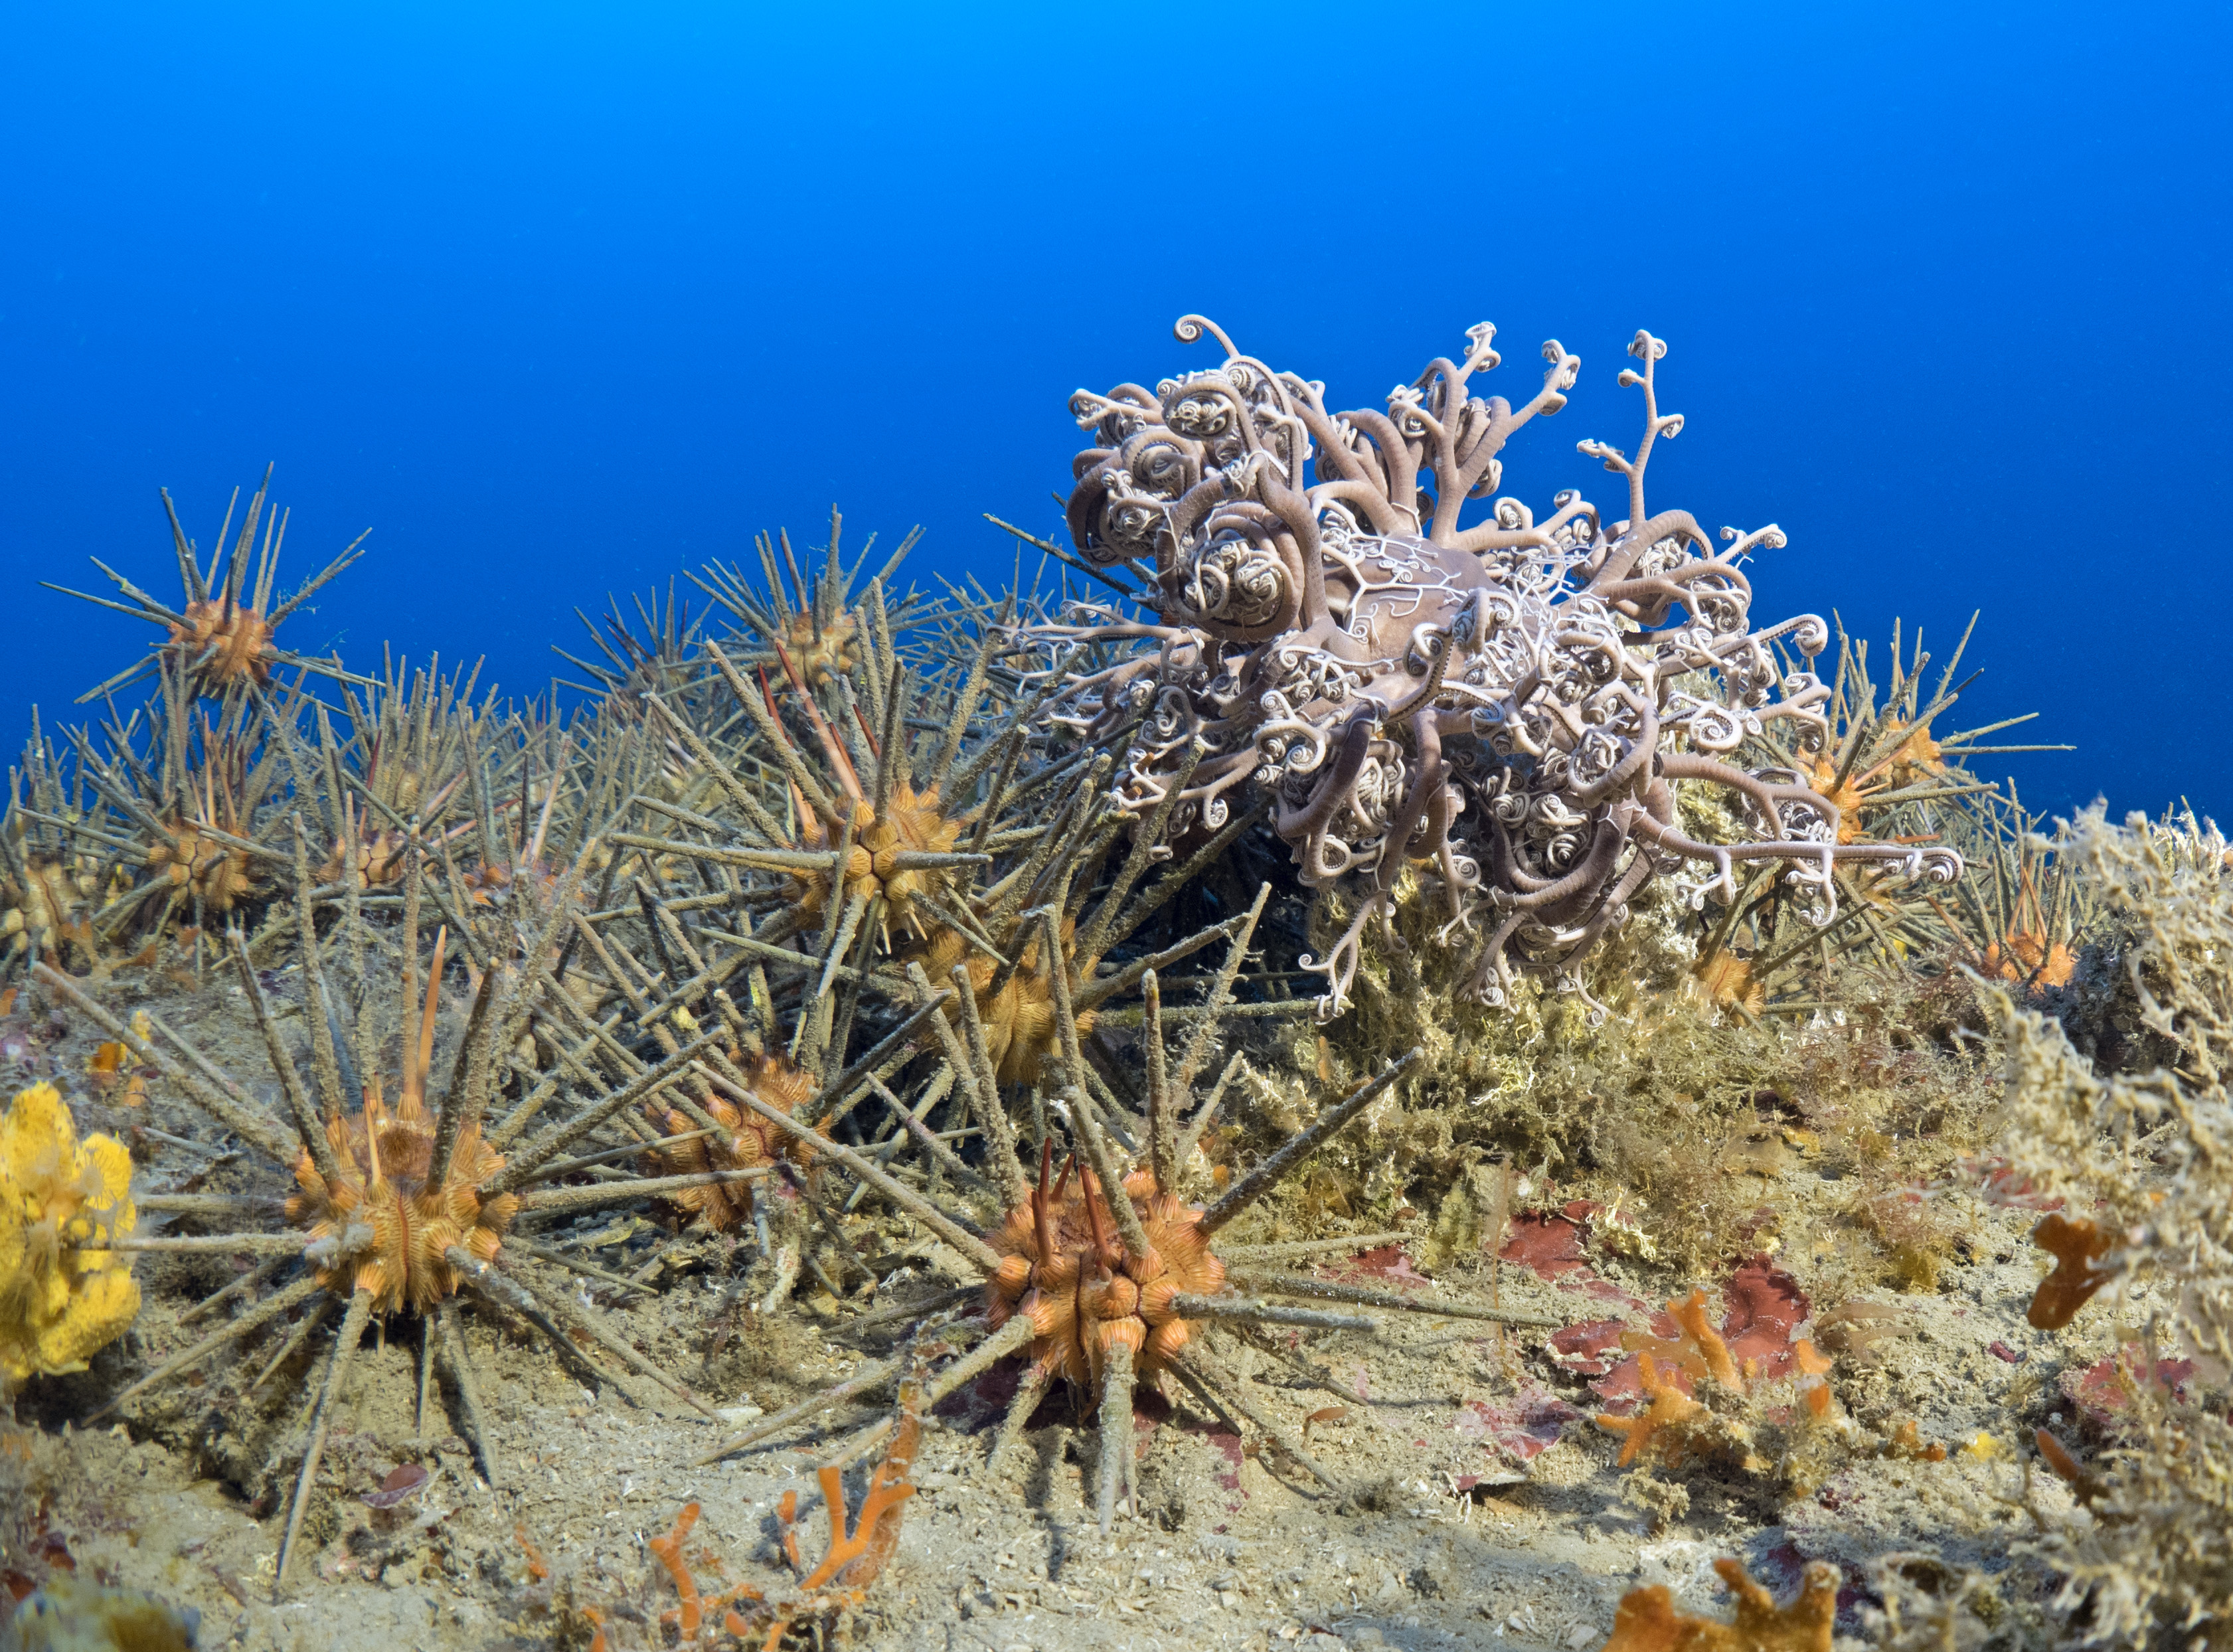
(689, 1616)
(852, 1561)
(1698, 1350)
(2077, 1246)
(1646, 1621)
(1814, 1379)
(538, 1567)
(855, 1561)
(1660, 1423)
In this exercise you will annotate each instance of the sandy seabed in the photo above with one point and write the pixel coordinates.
(1483, 1502)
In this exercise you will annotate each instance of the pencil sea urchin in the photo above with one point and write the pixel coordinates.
(1105, 1279)
(399, 1209)
(221, 641)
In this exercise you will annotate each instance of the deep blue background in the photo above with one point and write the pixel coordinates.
(560, 300)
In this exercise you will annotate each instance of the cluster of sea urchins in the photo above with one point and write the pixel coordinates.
(1507, 705)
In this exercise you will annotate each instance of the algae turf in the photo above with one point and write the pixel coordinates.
(2131, 1155)
(1662, 1106)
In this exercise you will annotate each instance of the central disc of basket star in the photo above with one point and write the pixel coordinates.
(1064, 1268)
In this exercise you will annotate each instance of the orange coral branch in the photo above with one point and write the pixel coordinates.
(851, 1562)
(1646, 1621)
(1813, 1370)
(876, 1530)
(538, 1567)
(669, 1550)
(1698, 1350)
(2085, 1485)
(2076, 1246)
(1670, 1407)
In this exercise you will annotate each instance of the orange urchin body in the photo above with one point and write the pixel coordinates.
(198, 866)
(911, 821)
(753, 1142)
(383, 1188)
(1019, 1018)
(224, 641)
(1915, 758)
(50, 907)
(1727, 980)
(2030, 959)
(375, 863)
(818, 656)
(378, 1226)
(1083, 1294)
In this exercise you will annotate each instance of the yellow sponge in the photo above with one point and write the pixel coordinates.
(61, 1296)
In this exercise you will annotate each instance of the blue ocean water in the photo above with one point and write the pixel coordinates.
(563, 299)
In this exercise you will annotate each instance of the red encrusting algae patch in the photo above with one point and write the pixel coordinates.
(1765, 1308)
(1550, 1244)
(2103, 1392)
(1591, 1349)
(1523, 1424)
(1387, 1263)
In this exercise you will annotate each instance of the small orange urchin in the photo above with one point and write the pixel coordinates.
(405, 1209)
(381, 1174)
(46, 909)
(1082, 1291)
(819, 623)
(1105, 1293)
(882, 833)
(200, 869)
(822, 652)
(753, 1143)
(221, 641)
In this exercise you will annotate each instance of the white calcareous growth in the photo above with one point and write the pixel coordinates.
(1509, 704)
